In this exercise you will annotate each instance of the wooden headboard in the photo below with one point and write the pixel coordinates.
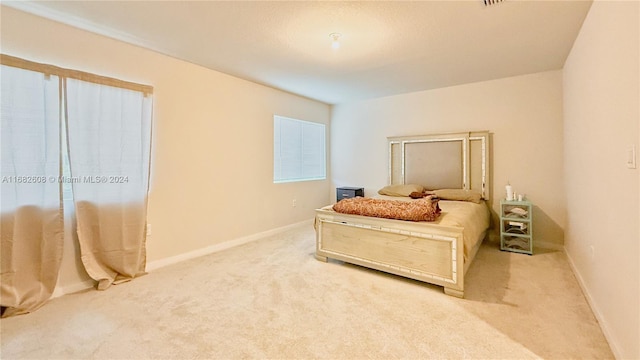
(442, 161)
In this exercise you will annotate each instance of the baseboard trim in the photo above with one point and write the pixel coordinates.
(594, 309)
(157, 264)
(73, 288)
(154, 265)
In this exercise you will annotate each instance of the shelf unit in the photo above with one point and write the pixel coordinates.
(516, 226)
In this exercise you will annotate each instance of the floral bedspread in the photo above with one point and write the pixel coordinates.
(425, 209)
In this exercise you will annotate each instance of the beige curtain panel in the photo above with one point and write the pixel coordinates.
(112, 241)
(31, 223)
(109, 137)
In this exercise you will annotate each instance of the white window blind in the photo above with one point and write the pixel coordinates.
(299, 150)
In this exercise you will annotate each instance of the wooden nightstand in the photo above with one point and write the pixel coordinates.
(516, 226)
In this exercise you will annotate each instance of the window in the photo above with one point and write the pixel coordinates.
(298, 150)
(73, 145)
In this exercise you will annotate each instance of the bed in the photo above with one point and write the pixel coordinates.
(437, 252)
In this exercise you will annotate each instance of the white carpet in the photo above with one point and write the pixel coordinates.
(272, 299)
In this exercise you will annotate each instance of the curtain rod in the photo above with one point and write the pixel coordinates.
(47, 69)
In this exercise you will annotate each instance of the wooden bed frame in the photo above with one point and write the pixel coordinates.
(423, 251)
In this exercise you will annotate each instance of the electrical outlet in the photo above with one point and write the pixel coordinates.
(148, 230)
(293, 203)
(592, 252)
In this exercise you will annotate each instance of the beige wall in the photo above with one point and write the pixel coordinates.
(212, 168)
(602, 112)
(523, 113)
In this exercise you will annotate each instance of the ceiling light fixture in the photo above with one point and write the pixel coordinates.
(335, 40)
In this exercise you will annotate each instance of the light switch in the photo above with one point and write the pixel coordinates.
(631, 157)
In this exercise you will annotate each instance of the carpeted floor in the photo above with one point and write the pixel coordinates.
(272, 299)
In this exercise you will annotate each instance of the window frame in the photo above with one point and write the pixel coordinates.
(277, 147)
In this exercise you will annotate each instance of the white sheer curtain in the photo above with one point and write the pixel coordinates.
(109, 134)
(31, 221)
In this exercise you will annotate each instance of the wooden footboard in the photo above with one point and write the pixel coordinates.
(422, 251)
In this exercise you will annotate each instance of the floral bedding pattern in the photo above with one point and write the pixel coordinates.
(425, 209)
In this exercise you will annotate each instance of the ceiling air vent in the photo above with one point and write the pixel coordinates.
(491, 2)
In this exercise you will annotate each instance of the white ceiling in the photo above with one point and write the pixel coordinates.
(386, 48)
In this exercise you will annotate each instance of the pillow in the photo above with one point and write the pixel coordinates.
(458, 194)
(400, 190)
